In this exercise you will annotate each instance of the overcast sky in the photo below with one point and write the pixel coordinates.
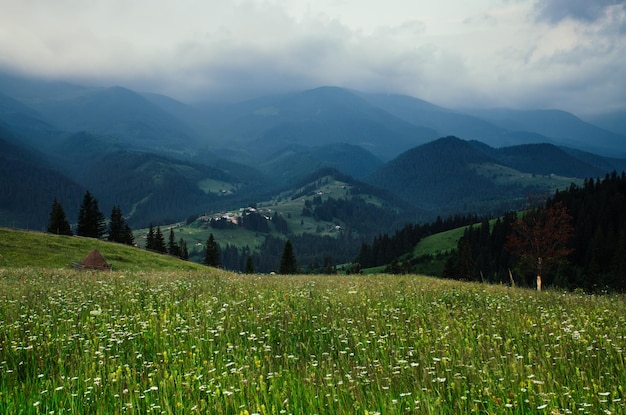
(568, 54)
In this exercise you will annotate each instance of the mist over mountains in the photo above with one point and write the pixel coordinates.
(162, 160)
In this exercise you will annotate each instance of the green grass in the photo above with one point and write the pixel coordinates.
(503, 175)
(186, 343)
(442, 242)
(215, 186)
(198, 232)
(23, 249)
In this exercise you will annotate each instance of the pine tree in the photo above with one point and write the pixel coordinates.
(129, 238)
(212, 253)
(249, 265)
(184, 253)
(288, 263)
(119, 231)
(172, 246)
(159, 241)
(91, 222)
(58, 223)
(150, 239)
(329, 268)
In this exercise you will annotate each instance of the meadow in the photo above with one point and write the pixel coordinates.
(188, 342)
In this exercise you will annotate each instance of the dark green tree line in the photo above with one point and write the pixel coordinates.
(591, 255)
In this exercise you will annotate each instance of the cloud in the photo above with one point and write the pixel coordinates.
(589, 11)
(516, 53)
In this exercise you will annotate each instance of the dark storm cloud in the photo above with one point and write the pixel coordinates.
(514, 53)
(588, 11)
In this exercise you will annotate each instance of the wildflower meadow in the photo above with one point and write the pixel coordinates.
(220, 343)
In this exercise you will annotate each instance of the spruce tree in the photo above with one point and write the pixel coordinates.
(184, 253)
(91, 222)
(288, 263)
(212, 253)
(159, 241)
(172, 246)
(129, 238)
(249, 265)
(58, 223)
(119, 231)
(150, 239)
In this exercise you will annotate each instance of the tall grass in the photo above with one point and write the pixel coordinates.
(220, 343)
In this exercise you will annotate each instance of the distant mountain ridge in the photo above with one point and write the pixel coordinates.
(436, 175)
(561, 127)
(451, 175)
(163, 159)
(29, 184)
(118, 112)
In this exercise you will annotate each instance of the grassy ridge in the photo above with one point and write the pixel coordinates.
(442, 242)
(24, 249)
(187, 343)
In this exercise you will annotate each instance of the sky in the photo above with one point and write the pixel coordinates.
(567, 54)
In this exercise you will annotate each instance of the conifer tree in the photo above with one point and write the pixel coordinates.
(249, 265)
(184, 253)
(159, 241)
(119, 231)
(288, 263)
(150, 239)
(172, 246)
(212, 253)
(91, 222)
(129, 238)
(58, 223)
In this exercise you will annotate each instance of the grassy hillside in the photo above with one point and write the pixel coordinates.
(29, 249)
(502, 175)
(430, 254)
(439, 243)
(288, 204)
(221, 343)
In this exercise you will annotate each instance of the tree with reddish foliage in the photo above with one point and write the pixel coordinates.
(540, 238)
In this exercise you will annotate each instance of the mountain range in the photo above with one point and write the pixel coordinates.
(162, 160)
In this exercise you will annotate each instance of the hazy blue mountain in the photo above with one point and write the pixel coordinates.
(545, 159)
(604, 164)
(319, 117)
(448, 122)
(163, 159)
(121, 113)
(29, 186)
(561, 127)
(294, 162)
(74, 152)
(232, 124)
(153, 188)
(32, 128)
(198, 120)
(32, 90)
(438, 176)
(451, 175)
(614, 121)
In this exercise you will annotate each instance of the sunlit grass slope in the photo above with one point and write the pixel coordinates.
(220, 343)
(23, 249)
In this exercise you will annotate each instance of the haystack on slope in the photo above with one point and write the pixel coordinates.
(95, 260)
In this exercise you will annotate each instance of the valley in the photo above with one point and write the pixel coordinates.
(327, 168)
